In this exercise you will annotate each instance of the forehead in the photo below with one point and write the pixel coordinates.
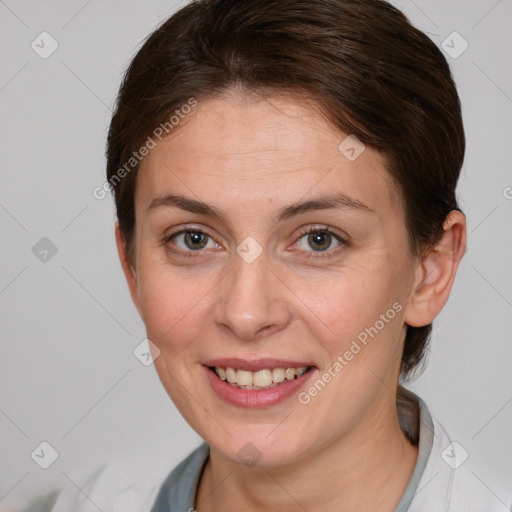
(279, 149)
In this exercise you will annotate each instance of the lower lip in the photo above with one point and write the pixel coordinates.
(256, 398)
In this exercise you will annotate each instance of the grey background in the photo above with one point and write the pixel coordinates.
(68, 375)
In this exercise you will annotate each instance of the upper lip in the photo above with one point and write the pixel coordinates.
(254, 364)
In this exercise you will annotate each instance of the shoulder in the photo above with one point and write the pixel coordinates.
(452, 483)
(128, 483)
(67, 496)
(473, 491)
(114, 487)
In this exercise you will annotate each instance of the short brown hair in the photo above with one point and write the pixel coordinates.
(369, 70)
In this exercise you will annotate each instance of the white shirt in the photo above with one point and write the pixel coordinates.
(443, 479)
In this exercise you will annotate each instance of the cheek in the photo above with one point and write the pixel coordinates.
(174, 307)
(346, 298)
(360, 303)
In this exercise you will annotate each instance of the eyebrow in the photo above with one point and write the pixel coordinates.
(337, 201)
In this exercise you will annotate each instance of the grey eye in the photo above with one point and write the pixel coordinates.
(317, 240)
(192, 240)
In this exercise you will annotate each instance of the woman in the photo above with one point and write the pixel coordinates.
(284, 175)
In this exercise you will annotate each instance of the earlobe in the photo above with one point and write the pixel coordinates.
(129, 270)
(436, 272)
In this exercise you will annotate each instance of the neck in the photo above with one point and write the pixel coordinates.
(366, 469)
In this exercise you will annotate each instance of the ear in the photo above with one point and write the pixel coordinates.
(436, 272)
(129, 271)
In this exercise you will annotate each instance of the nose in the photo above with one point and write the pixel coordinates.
(252, 302)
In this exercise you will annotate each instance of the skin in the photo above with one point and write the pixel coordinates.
(252, 158)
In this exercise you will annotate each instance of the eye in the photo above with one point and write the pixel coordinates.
(313, 239)
(191, 240)
(319, 240)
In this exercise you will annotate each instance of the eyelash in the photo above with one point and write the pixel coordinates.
(302, 233)
(322, 229)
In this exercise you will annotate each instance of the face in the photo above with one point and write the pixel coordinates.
(260, 247)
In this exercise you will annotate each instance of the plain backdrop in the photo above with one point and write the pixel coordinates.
(68, 374)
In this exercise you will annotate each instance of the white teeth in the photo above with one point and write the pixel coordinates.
(231, 375)
(278, 375)
(243, 378)
(301, 370)
(289, 373)
(261, 379)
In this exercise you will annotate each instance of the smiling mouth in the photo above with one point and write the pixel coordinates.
(261, 379)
